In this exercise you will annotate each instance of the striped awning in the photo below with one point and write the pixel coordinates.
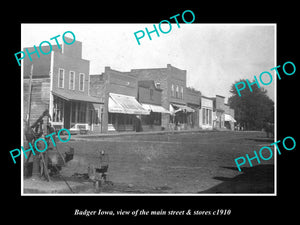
(182, 108)
(125, 104)
(155, 108)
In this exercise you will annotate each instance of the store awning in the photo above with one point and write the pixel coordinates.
(75, 97)
(183, 108)
(229, 118)
(125, 104)
(155, 108)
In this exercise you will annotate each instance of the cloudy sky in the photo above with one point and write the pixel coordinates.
(214, 55)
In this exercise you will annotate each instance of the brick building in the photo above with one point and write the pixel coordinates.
(150, 95)
(141, 99)
(173, 83)
(119, 90)
(193, 98)
(60, 83)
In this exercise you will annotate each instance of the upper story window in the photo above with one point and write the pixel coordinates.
(151, 94)
(177, 91)
(172, 91)
(81, 81)
(181, 92)
(72, 80)
(61, 78)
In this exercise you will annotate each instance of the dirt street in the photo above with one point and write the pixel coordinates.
(200, 162)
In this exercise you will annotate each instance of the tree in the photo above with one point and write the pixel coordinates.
(253, 110)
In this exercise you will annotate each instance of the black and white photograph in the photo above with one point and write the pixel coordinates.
(162, 116)
(134, 114)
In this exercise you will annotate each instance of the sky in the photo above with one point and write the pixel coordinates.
(215, 56)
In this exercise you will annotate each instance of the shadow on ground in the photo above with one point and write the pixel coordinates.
(257, 179)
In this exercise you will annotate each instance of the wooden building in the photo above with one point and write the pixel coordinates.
(59, 82)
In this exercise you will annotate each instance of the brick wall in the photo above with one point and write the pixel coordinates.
(148, 93)
(166, 77)
(97, 84)
(192, 96)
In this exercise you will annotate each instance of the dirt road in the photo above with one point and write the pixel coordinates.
(200, 162)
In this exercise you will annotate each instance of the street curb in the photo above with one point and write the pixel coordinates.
(110, 135)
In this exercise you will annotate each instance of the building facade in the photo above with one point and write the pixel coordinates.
(206, 118)
(119, 90)
(193, 99)
(229, 117)
(149, 95)
(173, 83)
(60, 83)
(138, 100)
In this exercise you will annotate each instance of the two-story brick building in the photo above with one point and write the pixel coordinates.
(173, 83)
(60, 83)
(119, 90)
(149, 95)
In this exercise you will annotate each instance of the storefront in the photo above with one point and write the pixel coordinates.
(180, 115)
(76, 112)
(229, 121)
(206, 113)
(152, 122)
(124, 113)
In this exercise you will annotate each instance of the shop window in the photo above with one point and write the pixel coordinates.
(157, 118)
(206, 116)
(152, 119)
(81, 114)
(111, 118)
(58, 110)
(96, 117)
(128, 119)
(73, 112)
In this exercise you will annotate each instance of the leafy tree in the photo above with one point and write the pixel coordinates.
(253, 110)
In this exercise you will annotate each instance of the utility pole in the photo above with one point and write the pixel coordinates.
(30, 94)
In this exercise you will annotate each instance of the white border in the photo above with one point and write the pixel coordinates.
(169, 194)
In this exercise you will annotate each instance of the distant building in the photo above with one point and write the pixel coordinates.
(206, 118)
(229, 117)
(223, 115)
(219, 111)
(193, 100)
